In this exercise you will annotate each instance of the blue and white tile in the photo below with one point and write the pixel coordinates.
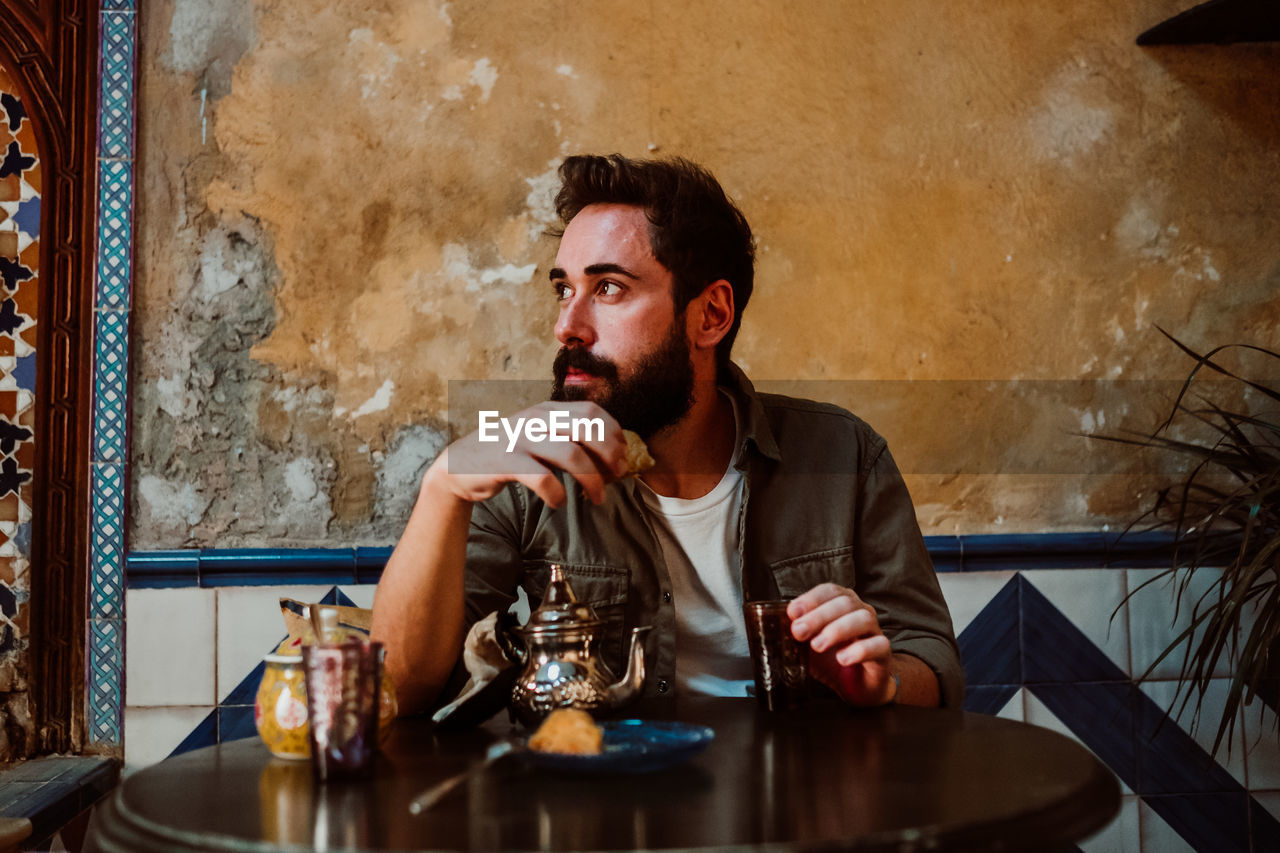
(361, 595)
(1152, 623)
(105, 682)
(110, 385)
(150, 734)
(1038, 714)
(1205, 729)
(1157, 835)
(115, 234)
(170, 647)
(991, 648)
(1269, 800)
(116, 108)
(1122, 835)
(1093, 600)
(106, 567)
(1015, 708)
(250, 625)
(967, 593)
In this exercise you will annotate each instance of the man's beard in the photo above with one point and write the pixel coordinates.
(657, 395)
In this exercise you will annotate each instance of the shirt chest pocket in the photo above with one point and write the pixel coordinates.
(797, 575)
(603, 587)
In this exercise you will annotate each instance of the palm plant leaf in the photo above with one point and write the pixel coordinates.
(1224, 513)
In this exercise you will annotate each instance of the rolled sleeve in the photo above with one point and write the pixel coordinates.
(895, 575)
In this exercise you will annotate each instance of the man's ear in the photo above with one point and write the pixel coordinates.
(712, 315)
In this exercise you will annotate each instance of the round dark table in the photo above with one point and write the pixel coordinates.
(822, 778)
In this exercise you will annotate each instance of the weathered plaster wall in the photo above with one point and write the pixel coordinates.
(343, 206)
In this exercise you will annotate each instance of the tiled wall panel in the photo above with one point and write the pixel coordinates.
(112, 298)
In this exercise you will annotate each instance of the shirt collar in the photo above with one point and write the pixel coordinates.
(749, 411)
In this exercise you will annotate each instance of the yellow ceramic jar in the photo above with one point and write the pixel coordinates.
(280, 710)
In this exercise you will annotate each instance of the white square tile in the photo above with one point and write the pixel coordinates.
(1038, 714)
(1152, 626)
(1158, 836)
(1122, 835)
(150, 734)
(361, 595)
(1093, 599)
(1162, 693)
(250, 625)
(1262, 746)
(169, 647)
(967, 593)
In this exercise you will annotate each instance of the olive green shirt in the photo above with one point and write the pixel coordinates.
(823, 501)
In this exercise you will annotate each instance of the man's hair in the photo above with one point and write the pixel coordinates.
(695, 231)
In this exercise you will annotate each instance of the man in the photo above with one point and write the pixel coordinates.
(752, 496)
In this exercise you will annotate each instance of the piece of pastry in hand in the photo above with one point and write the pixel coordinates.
(568, 731)
(638, 458)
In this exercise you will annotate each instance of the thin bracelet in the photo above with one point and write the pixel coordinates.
(897, 686)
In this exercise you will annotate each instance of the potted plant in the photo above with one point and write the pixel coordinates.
(1223, 513)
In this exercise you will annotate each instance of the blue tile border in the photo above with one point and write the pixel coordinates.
(117, 111)
(267, 566)
(115, 233)
(207, 567)
(106, 569)
(110, 381)
(106, 681)
(116, 89)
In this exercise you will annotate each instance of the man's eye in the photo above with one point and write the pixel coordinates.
(608, 288)
(562, 291)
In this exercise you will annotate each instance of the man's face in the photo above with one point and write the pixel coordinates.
(622, 344)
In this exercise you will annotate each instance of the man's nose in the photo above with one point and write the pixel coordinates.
(574, 323)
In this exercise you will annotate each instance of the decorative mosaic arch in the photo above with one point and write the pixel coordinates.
(20, 190)
(67, 113)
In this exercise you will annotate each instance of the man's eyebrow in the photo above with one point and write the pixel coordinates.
(601, 269)
(558, 274)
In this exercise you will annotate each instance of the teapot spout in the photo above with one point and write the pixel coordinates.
(632, 682)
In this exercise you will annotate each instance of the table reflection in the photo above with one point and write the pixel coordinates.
(823, 776)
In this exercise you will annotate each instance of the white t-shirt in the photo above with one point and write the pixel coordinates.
(699, 540)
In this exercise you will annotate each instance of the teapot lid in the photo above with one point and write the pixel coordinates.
(560, 608)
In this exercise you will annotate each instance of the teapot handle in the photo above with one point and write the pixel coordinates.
(513, 647)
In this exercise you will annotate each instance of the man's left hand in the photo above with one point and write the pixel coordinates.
(848, 651)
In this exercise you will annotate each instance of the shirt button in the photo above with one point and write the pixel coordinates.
(666, 598)
(662, 685)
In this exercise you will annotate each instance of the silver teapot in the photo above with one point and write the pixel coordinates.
(558, 650)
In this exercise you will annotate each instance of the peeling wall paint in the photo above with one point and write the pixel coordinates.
(343, 208)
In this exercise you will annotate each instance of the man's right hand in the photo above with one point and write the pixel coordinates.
(474, 471)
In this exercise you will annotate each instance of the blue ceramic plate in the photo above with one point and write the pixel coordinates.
(633, 746)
